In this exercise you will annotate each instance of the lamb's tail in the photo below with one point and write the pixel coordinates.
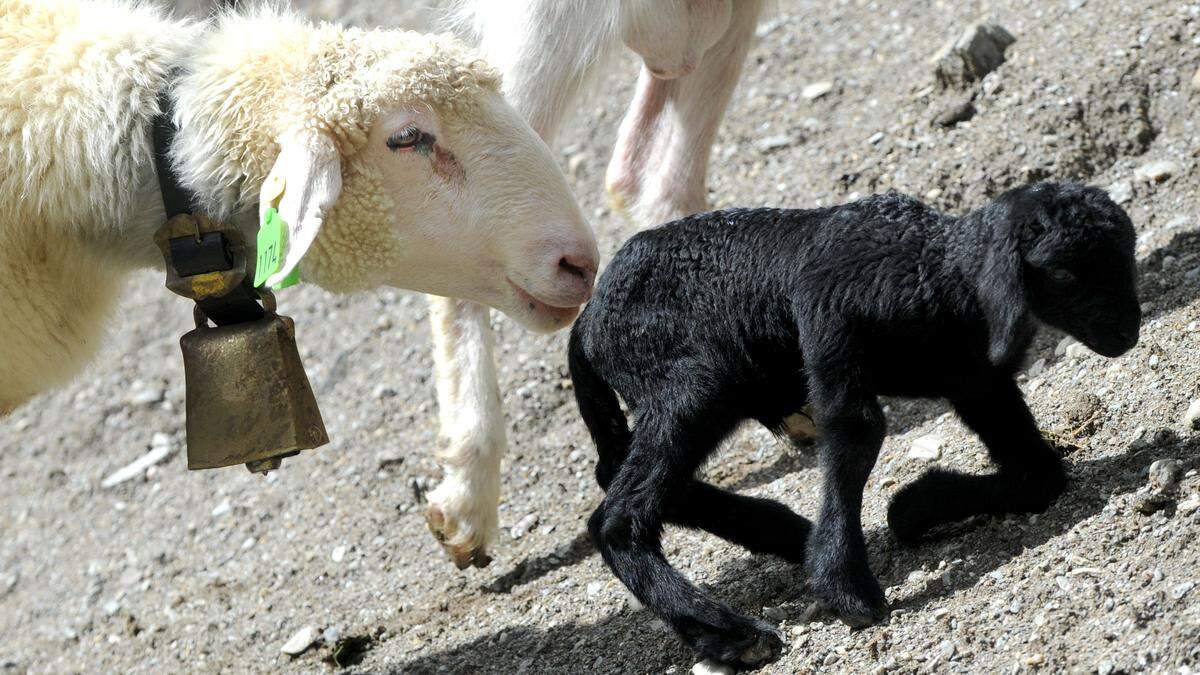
(601, 412)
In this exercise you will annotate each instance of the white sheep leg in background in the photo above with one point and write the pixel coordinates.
(546, 48)
(660, 161)
(462, 511)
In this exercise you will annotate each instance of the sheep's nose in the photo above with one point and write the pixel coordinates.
(582, 267)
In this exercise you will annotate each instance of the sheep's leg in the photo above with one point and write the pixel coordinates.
(660, 161)
(547, 51)
(627, 529)
(852, 428)
(756, 524)
(1031, 475)
(462, 511)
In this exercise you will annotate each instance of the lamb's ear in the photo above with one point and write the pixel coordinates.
(1002, 297)
(1001, 285)
(309, 170)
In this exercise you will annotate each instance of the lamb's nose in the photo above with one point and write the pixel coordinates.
(579, 266)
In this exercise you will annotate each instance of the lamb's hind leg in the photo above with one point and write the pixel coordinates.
(462, 511)
(627, 529)
(1031, 475)
(754, 523)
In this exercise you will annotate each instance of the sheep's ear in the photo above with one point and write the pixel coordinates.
(309, 172)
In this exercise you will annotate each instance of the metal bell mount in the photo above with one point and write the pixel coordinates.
(248, 398)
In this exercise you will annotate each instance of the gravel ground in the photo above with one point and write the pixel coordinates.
(214, 571)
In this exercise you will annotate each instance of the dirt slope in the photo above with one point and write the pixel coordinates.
(214, 571)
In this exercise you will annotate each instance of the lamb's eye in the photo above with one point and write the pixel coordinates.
(1061, 276)
(405, 138)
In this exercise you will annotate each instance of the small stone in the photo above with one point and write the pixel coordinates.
(144, 396)
(946, 650)
(523, 526)
(111, 607)
(978, 51)
(330, 635)
(710, 667)
(1060, 349)
(876, 138)
(1037, 368)
(1151, 503)
(382, 391)
(769, 144)
(222, 509)
(1105, 668)
(138, 466)
(8, 583)
(300, 641)
(1077, 350)
(1165, 475)
(775, 613)
(338, 554)
(1189, 505)
(384, 322)
(1153, 361)
(595, 588)
(1035, 660)
(926, 448)
(1180, 590)
(816, 90)
(1156, 172)
(1121, 191)
(957, 111)
(1191, 419)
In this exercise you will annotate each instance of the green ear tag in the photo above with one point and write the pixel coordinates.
(271, 234)
(291, 279)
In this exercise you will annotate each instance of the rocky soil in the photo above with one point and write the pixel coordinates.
(215, 571)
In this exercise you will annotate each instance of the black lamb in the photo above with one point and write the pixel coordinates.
(751, 314)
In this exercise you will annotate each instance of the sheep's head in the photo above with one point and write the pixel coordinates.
(1071, 257)
(402, 165)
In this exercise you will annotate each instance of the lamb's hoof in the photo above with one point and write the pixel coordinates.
(464, 551)
(766, 648)
(857, 605)
(746, 645)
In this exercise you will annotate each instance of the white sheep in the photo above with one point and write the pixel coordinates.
(549, 51)
(402, 166)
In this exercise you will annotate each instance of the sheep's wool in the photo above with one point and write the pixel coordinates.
(78, 197)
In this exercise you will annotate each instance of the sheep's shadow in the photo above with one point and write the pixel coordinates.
(905, 415)
(623, 642)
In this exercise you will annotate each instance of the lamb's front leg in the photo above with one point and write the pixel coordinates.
(1031, 475)
(462, 511)
(852, 427)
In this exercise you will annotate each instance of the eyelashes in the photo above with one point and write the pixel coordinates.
(411, 137)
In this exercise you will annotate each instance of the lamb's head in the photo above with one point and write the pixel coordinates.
(1066, 252)
(400, 164)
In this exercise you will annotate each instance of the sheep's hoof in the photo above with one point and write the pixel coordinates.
(463, 554)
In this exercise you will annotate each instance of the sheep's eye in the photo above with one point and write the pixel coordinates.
(405, 138)
(1061, 276)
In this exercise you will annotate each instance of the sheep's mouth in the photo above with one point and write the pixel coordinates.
(558, 313)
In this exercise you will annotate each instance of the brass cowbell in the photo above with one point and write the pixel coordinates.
(248, 398)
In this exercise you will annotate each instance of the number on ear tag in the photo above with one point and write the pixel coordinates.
(271, 235)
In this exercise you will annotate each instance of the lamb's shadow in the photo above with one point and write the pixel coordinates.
(625, 642)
